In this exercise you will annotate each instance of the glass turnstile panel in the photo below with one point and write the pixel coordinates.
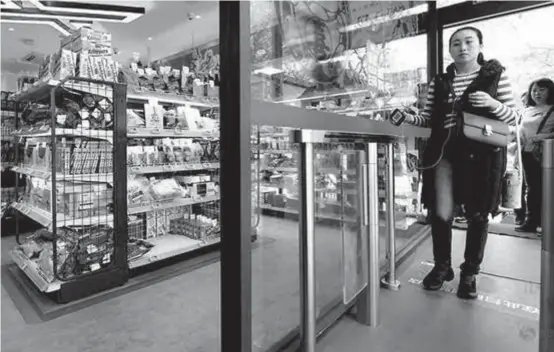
(341, 240)
(409, 215)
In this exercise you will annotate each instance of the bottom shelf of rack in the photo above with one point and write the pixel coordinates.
(34, 272)
(168, 246)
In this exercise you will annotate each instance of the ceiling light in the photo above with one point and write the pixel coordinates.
(103, 12)
(9, 4)
(51, 23)
(11, 29)
(149, 38)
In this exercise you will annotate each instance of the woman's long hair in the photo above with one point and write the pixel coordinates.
(480, 57)
(543, 83)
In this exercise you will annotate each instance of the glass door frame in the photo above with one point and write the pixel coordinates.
(239, 113)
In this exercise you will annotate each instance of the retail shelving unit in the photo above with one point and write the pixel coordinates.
(101, 221)
(173, 171)
(9, 125)
(68, 157)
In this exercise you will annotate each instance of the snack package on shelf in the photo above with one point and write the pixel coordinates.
(151, 223)
(198, 88)
(64, 64)
(186, 80)
(138, 191)
(174, 81)
(136, 248)
(170, 118)
(154, 116)
(162, 224)
(35, 113)
(78, 251)
(213, 91)
(135, 118)
(136, 156)
(166, 189)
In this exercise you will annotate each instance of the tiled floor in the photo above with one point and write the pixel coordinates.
(505, 318)
(181, 314)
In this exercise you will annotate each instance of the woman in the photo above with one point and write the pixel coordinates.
(520, 213)
(537, 118)
(459, 171)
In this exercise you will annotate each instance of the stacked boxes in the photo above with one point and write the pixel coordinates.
(94, 54)
(158, 223)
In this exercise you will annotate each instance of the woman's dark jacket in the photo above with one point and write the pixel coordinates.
(478, 168)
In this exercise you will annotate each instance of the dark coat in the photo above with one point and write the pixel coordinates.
(478, 168)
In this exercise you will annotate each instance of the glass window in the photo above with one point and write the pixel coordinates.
(519, 43)
(341, 57)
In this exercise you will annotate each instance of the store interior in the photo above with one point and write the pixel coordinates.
(121, 254)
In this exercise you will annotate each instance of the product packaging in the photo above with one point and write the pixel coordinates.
(154, 114)
(198, 88)
(86, 39)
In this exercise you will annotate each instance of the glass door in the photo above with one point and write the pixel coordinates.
(323, 66)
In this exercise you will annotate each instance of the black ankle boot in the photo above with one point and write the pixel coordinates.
(468, 287)
(436, 278)
(527, 226)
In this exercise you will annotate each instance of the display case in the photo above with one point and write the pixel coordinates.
(68, 154)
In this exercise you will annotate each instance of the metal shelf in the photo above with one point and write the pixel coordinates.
(131, 210)
(44, 217)
(138, 170)
(64, 132)
(168, 246)
(141, 132)
(60, 176)
(41, 90)
(168, 98)
(34, 272)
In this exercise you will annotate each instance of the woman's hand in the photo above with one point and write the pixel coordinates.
(483, 100)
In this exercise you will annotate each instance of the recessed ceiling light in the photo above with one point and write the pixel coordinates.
(11, 29)
(149, 38)
(198, 16)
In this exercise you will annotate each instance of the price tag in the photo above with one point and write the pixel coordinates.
(156, 131)
(168, 167)
(135, 169)
(178, 130)
(133, 130)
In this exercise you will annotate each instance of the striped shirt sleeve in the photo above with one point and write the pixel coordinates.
(506, 111)
(422, 119)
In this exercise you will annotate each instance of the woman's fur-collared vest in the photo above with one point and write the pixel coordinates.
(478, 168)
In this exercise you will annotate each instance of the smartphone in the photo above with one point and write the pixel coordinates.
(397, 117)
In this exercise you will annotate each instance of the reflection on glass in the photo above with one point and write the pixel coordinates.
(354, 58)
(338, 56)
